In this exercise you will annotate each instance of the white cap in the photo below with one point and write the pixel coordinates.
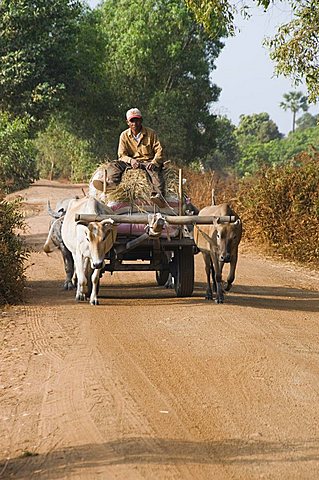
(133, 113)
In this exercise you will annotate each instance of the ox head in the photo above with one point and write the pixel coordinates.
(101, 237)
(226, 238)
(54, 236)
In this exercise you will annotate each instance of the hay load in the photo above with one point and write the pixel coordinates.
(134, 189)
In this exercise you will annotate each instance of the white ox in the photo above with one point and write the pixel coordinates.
(54, 240)
(88, 242)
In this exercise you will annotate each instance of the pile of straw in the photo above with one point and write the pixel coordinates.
(134, 187)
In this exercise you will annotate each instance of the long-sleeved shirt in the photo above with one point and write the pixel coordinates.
(146, 149)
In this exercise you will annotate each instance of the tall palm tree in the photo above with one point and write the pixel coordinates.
(294, 101)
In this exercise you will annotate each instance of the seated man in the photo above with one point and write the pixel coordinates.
(139, 147)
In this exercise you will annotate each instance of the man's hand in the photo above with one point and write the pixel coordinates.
(150, 166)
(134, 163)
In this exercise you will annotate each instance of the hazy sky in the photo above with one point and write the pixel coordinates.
(246, 74)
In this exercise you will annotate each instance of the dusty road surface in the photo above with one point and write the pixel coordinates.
(150, 386)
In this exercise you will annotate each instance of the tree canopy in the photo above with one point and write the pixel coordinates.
(257, 127)
(159, 59)
(295, 47)
(306, 121)
(81, 69)
(37, 49)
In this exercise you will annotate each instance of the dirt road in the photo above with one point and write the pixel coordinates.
(150, 386)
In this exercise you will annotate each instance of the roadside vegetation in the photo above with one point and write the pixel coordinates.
(69, 73)
(279, 206)
(13, 252)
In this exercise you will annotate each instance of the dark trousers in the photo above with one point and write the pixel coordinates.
(155, 176)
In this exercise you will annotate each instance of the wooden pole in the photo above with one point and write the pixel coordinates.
(104, 182)
(144, 219)
(180, 192)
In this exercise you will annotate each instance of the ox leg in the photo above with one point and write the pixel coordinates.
(68, 267)
(89, 272)
(231, 275)
(218, 269)
(95, 279)
(80, 266)
(208, 269)
(213, 276)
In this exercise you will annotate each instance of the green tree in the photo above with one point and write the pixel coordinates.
(295, 46)
(257, 127)
(37, 51)
(306, 121)
(91, 112)
(17, 154)
(62, 154)
(254, 156)
(294, 101)
(159, 59)
(226, 152)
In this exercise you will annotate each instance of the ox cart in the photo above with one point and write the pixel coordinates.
(158, 249)
(158, 240)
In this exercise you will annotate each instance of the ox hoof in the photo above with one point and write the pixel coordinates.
(208, 297)
(81, 297)
(219, 300)
(94, 301)
(68, 286)
(227, 286)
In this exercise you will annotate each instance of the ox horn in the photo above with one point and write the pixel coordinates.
(82, 222)
(107, 220)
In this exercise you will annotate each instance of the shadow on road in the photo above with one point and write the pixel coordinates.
(265, 297)
(148, 451)
(35, 241)
(274, 298)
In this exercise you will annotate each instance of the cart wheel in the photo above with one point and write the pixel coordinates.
(162, 275)
(184, 274)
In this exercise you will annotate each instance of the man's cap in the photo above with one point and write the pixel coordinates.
(133, 113)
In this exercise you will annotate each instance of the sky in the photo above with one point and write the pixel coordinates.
(245, 72)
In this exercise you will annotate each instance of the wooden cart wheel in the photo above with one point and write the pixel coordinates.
(184, 273)
(162, 277)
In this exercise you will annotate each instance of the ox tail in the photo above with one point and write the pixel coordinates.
(52, 213)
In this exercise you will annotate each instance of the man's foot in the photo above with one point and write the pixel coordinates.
(158, 200)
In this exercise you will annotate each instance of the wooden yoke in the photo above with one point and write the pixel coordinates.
(170, 219)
